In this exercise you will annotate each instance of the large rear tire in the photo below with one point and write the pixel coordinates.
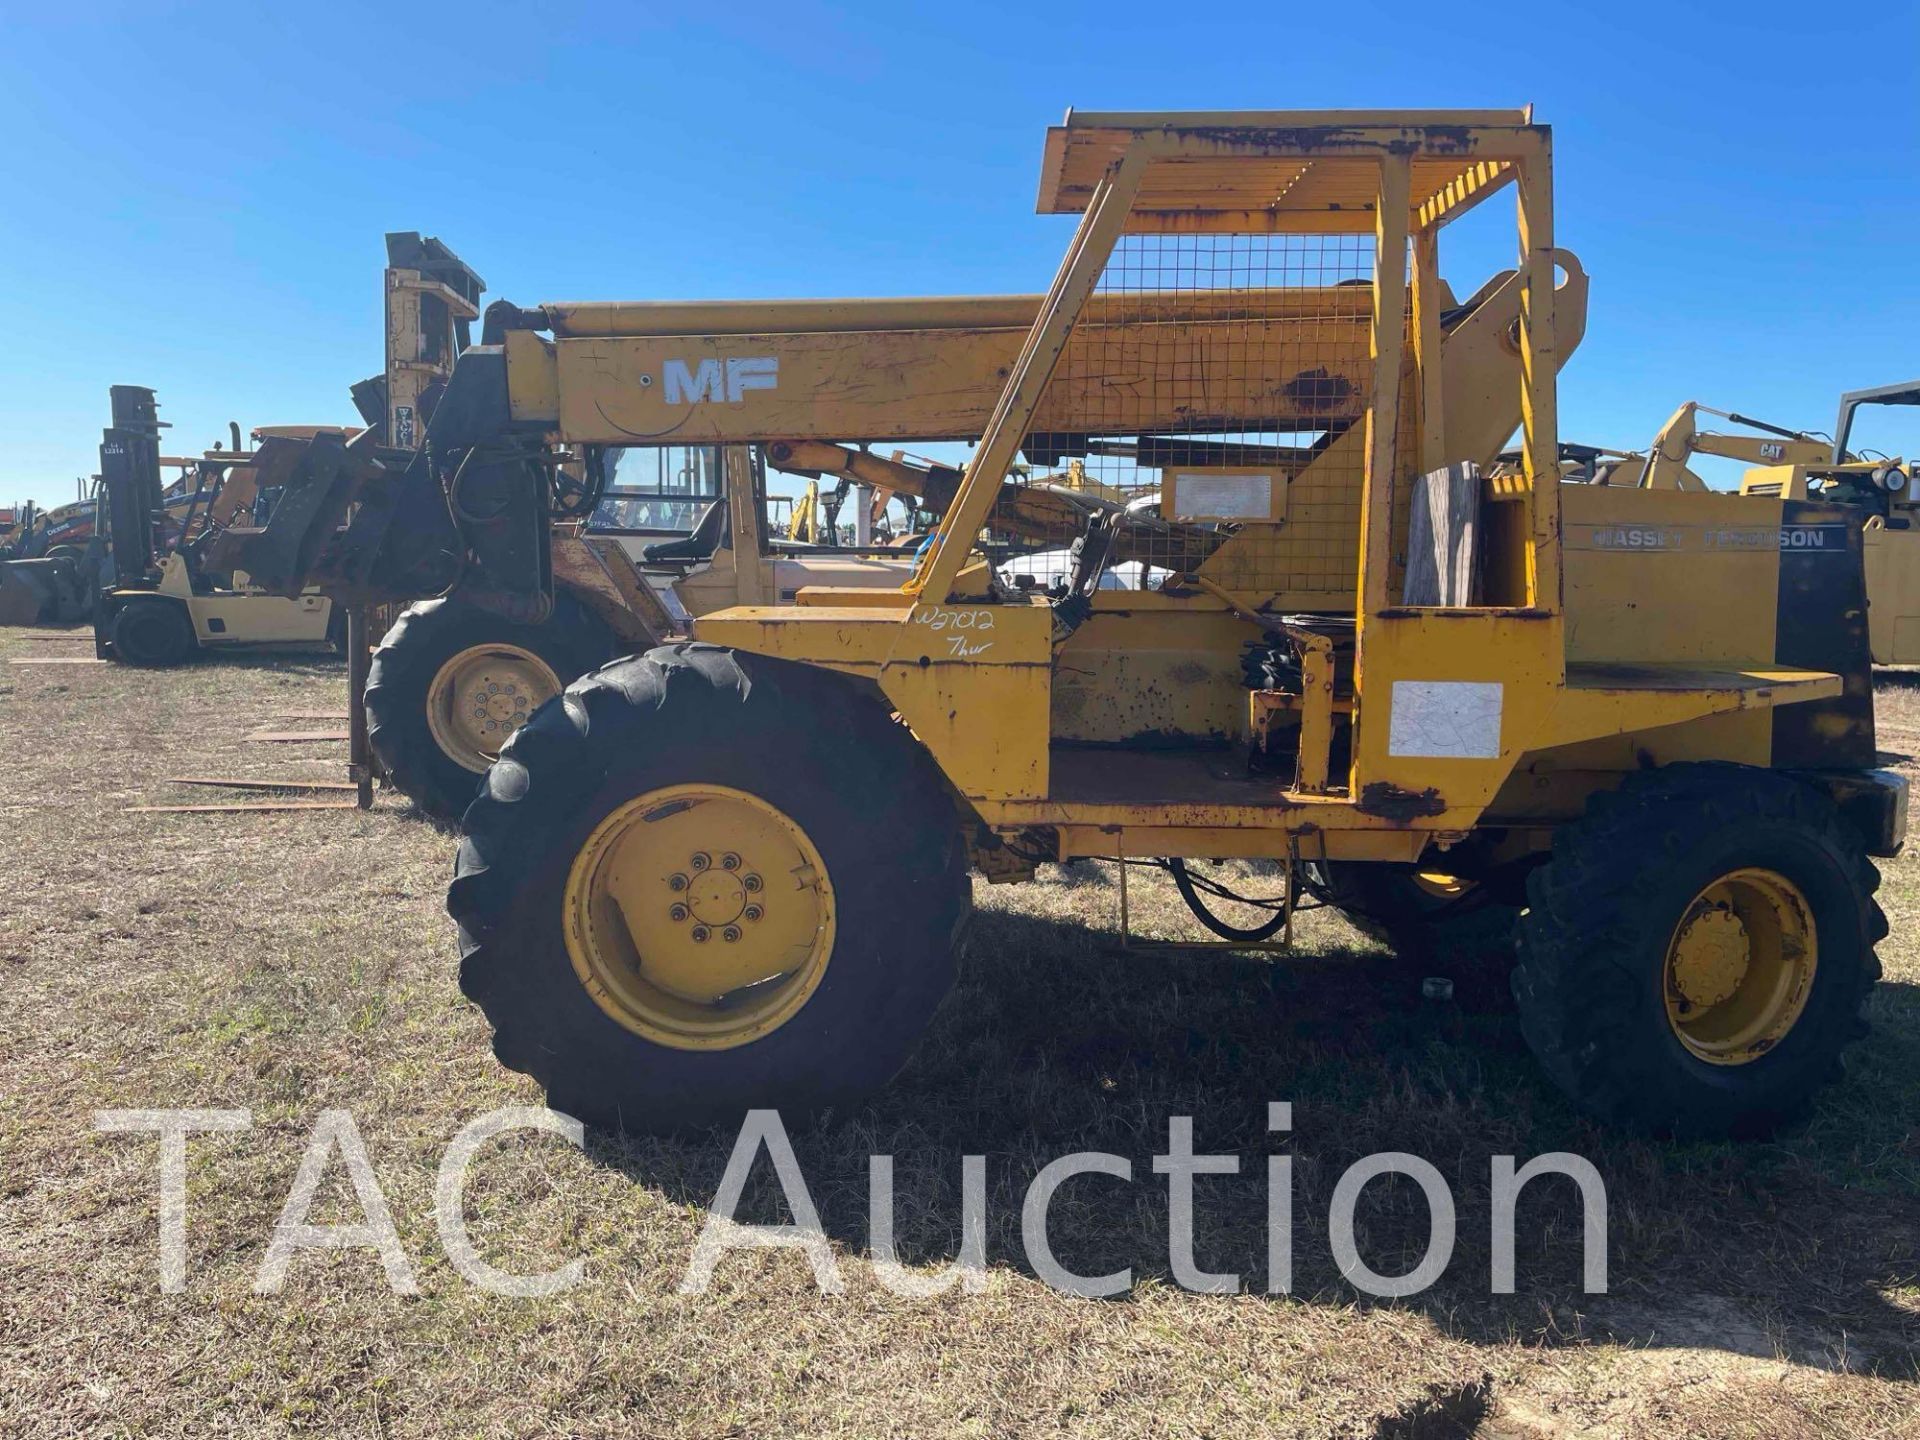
(1699, 950)
(449, 682)
(703, 882)
(153, 633)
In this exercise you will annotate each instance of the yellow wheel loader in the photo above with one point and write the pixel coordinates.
(733, 872)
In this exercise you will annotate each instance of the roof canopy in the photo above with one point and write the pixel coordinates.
(1303, 171)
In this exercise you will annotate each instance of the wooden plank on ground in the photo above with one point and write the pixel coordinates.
(56, 660)
(311, 715)
(237, 784)
(256, 807)
(287, 737)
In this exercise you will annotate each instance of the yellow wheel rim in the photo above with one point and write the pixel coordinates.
(481, 696)
(1440, 885)
(1740, 966)
(699, 917)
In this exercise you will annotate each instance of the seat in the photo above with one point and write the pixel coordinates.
(697, 545)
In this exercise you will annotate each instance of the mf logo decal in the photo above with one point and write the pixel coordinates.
(719, 380)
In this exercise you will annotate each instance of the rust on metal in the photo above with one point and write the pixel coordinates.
(1390, 802)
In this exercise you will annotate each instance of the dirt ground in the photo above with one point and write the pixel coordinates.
(287, 964)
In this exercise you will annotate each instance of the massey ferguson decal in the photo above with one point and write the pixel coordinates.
(1831, 538)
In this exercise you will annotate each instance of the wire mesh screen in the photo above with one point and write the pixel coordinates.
(1218, 385)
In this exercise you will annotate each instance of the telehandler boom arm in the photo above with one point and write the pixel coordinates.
(471, 507)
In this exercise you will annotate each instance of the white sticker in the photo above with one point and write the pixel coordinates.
(1445, 719)
(1210, 496)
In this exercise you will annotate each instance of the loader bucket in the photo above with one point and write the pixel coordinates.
(20, 601)
(42, 592)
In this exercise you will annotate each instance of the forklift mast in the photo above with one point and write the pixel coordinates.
(431, 298)
(132, 504)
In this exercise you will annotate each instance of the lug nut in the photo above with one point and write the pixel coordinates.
(753, 912)
(678, 912)
(729, 862)
(752, 882)
(702, 860)
(730, 934)
(676, 882)
(700, 934)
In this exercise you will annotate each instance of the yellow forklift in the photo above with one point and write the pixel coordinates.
(734, 872)
(161, 604)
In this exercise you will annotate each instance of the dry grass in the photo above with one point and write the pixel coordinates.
(291, 963)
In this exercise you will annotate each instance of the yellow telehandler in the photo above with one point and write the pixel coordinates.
(733, 872)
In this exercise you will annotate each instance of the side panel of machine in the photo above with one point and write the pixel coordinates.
(1893, 582)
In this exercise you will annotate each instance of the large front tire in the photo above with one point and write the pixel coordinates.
(638, 812)
(1698, 951)
(449, 682)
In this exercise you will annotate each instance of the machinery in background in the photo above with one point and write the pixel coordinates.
(28, 532)
(54, 563)
(1665, 464)
(162, 603)
(48, 564)
(1884, 488)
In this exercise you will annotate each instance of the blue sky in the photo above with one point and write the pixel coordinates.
(196, 193)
